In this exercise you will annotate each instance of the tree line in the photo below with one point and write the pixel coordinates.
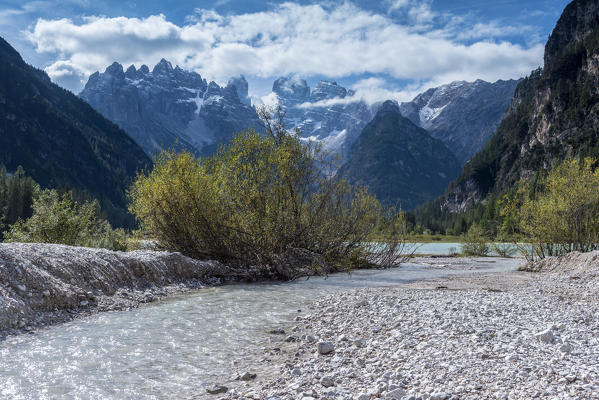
(268, 203)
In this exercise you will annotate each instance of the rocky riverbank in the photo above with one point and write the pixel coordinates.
(42, 284)
(519, 335)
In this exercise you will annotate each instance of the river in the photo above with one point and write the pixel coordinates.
(175, 347)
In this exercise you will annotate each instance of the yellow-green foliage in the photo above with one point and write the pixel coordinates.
(252, 202)
(475, 242)
(560, 213)
(58, 219)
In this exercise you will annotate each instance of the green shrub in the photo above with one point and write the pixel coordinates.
(16, 197)
(475, 243)
(58, 219)
(259, 202)
(559, 212)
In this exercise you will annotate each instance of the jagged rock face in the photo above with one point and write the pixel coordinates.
(554, 113)
(399, 161)
(171, 108)
(463, 115)
(241, 86)
(335, 124)
(291, 91)
(61, 141)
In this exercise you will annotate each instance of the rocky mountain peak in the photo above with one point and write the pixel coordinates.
(115, 69)
(163, 67)
(325, 90)
(291, 90)
(171, 106)
(389, 106)
(464, 115)
(554, 114)
(60, 141)
(241, 86)
(398, 161)
(131, 72)
(578, 19)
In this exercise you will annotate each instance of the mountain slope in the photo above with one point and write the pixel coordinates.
(555, 112)
(399, 161)
(60, 140)
(169, 107)
(463, 115)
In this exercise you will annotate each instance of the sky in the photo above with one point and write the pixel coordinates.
(388, 49)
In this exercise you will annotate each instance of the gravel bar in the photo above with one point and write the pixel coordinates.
(518, 335)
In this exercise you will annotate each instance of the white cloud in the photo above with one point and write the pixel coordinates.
(397, 4)
(334, 41)
(370, 91)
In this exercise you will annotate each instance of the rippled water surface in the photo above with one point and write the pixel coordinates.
(172, 348)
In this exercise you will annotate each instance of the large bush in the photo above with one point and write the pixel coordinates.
(475, 242)
(262, 201)
(59, 219)
(559, 212)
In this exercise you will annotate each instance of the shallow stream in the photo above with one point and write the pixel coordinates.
(173, 348)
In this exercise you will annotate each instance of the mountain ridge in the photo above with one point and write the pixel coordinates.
(171, 108)
(554, 113)
(61, 141)
(464, 115)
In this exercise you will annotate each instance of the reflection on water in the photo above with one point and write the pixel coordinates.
(172, 348)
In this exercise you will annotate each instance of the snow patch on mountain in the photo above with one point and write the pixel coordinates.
(427, 114)
(322, 115)
(463, 115)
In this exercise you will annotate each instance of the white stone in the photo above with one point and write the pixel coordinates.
(397, 394)
(545, 336)
(325, 347)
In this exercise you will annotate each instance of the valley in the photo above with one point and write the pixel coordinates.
(251, 200)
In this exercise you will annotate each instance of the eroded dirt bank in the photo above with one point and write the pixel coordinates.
(41, 284)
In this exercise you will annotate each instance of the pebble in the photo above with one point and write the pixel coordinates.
(546, 336)
(327, 381)
(217, 389)
(325, 347)
(247, 376)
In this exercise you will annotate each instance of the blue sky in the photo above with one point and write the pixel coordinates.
(386, 49)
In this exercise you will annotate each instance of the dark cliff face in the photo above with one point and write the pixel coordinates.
(171, 108)
(399, 161)
(463, 115)
(554, 113)
(60, 140)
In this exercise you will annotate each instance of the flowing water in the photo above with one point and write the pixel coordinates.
(173, 348)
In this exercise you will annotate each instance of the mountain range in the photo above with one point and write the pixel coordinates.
(405, 153)
(170, 107)
(327, 114)
(61, 141)
(463, 115)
